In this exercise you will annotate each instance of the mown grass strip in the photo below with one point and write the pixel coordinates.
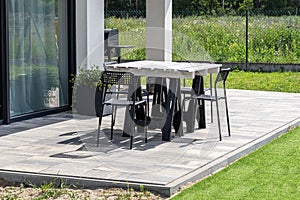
(274, 81)
(271, 172)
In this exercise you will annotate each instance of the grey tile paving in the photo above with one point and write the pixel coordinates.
(63, 145)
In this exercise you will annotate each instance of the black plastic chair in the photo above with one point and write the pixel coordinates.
(134, 105)
(189, 91)
(221, 77)
(112, 48)
(118, 90)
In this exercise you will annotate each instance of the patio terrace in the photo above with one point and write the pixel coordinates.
(64, 146)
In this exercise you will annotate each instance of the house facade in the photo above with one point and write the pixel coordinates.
(43, 42)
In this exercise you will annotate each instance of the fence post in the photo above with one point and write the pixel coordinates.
(247, 37)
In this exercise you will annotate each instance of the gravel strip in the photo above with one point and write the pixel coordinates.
(7, 192)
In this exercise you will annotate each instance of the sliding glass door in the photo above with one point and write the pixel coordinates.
(2, 58)
(1, 93)
(38, 55)
(1, 90)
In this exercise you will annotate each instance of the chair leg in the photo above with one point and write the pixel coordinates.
(201, 122)
(114, 109)
(102, 96)
(148, 109)
(98, 133)
(218, 116)
(132, 130)
(131, 137)
(211, 112)
(145, 123)
(112, 123)
(211, 102)
(131, 141)
(115, 114)
(146, 135)
(99, 126)
(227, 114)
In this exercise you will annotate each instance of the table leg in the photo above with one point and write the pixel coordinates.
(170, 106)
(158, 103)
(190, 115)
(109, 54)
(128, 127)
(201, 103)
(178, 115)
(196, 111)
(118, 53)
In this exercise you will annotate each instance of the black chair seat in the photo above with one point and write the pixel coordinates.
(118, 92)
(142, 122)
(206, 97)
(186, 90)
(189, 90)
(120, 102)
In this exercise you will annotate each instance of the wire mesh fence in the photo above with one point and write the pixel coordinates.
(256, 36)
(274, 38)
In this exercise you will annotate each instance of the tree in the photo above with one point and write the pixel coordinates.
(257, 3)
(206, 6)
(274, 4)
(246, 5)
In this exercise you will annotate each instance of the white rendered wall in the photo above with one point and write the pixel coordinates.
(159, 30)
(90, 32)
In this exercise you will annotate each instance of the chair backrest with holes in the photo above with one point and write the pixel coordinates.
(120, 78)
(222, 75)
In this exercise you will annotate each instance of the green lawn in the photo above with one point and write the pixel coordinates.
(275, 81)
(271, 172)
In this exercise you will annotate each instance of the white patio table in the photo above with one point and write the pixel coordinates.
(172, 71)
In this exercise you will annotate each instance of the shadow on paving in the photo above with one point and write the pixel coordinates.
(33, 123)
(87, 145)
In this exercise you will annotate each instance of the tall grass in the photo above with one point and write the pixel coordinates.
(274, 39)
(271, 39)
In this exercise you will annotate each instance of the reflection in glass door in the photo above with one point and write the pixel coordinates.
(37, 55)
(1, 89)
(1, 59)
(1, 93)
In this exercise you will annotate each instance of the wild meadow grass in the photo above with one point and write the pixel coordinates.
(271, 172)
(271, 39)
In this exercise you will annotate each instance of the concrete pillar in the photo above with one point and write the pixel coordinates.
(90, 32)
(159, 30)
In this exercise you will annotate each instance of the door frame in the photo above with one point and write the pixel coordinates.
(4, 74)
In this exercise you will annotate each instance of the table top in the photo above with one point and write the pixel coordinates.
(166, 68)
